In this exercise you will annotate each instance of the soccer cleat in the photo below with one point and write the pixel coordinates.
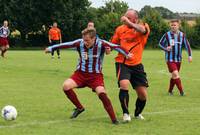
(139, 117)
(76, 112)
(115, 122)
(182, 94)
(58, 57)
(126, 117)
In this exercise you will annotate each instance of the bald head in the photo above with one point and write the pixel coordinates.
(132, 15)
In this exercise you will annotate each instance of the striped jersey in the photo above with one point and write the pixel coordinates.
(4, 32)
(90, 59)
(176, 41)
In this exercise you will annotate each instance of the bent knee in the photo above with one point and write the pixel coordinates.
(68, 84)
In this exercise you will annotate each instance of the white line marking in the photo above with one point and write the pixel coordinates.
(92, 118)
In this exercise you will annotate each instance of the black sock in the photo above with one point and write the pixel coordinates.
(124, 100)
(140, 104)
(58, 52)
(52, 53)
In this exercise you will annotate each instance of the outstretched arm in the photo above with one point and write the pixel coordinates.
(71, 44)
(117, 48)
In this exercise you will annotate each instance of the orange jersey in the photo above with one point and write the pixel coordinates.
(131, 40)
(55, 33)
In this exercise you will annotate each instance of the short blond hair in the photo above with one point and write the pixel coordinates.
(89, 31)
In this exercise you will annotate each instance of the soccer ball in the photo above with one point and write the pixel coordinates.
(9, 112)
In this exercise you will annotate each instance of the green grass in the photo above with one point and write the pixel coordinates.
(32, 82)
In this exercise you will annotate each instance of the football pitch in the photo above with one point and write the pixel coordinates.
(32, 82)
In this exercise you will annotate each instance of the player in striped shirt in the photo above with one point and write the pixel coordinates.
(89, 70)
(172, 43)
(4, 32)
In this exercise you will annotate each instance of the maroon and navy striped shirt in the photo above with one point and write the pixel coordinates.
(90, 59)
(176, 41)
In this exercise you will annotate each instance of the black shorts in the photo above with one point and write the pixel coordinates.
(135, 74)
(54, 42)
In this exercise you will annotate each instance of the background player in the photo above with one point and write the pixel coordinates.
(172, 43)
(4, 33)
(55, 37)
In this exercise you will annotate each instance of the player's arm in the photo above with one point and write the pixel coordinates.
(72, 44)
(188, 48)
(163, 43)
(117, 48)
(138, 27)
(49, 36)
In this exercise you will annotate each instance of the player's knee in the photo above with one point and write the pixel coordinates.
(175, 75)
(66, 86)
(100, 90)
(124, 84)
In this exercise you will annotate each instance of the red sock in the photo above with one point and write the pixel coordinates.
(179, 85)
(73, 98)
(171, 85)
(107, 105)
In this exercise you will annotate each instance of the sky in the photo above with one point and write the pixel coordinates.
(189, 6)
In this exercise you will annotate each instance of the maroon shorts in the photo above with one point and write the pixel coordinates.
(3, 41)
(172, 66)
(91, 80)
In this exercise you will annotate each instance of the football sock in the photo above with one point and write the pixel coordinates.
(73, 98)
(58, 52)
(52, 53)
(171, 85)
(124, 100)
(107, 105)
(179, 85)
(140, 104)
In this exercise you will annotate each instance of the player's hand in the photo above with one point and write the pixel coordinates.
(189, 59)
(47, 50)
(169, 48)
(130, 55)
(107, 50)
(125, 20)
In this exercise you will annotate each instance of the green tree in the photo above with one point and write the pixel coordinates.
(29, 16)
(156, 23)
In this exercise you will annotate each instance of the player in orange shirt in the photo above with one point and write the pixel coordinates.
(133, 36)
(55, 37)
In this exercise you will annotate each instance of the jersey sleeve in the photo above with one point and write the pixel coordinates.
(162, 42)
(115, 47)
(72, 44)
(187, 45)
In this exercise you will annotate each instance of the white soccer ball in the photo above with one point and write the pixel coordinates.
(9, 112)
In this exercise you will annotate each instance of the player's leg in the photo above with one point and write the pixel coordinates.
(123, 81)
(172, 80)
(140, 83)
(175, 67)
(100, 91)
(58, 53)
(68, 86)
(4, 49)
(140, 101)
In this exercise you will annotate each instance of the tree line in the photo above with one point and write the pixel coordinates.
(33, 18)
